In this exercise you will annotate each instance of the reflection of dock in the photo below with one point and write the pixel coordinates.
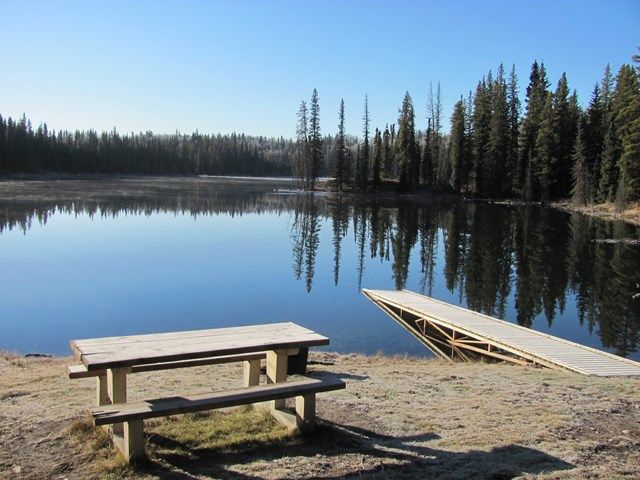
(455, 333)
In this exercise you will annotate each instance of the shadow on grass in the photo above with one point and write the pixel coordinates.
(337, 451)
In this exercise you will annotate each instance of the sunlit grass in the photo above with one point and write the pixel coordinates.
(221, 430)
(94, 445)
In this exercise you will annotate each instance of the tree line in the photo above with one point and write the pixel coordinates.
(24, 149)
(554, 149)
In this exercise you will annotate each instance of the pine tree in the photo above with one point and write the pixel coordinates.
(457, 146)
(468, 155)
(543, 159)
(438, 162)
(636, 59)
(593, 134)
(625, 107)
(406, 145)
(394, 159)
(609, 166)
(358, 166)
(301, 160)
(606, 87)
(315, 143)
(481, 133)
(426, 161)
(341, 167)
(565, 126)
(377, 158)
(498, 142)
(362, 175)
(536, 97)
(563, 146)
(581, 193)
(514, 122)
(387, 156)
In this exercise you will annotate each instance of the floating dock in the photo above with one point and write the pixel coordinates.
(455, 333)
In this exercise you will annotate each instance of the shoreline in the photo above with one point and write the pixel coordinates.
(605, 211)
(386, 191)
(400, 417)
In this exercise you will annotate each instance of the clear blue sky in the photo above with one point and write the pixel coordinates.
(245, 65)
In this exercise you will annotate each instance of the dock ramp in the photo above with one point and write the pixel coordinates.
(455, 333)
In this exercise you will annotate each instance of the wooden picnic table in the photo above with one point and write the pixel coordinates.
(112, 358)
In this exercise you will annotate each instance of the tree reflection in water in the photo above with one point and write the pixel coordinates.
(540, 256)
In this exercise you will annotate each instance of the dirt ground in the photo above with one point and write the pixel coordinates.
(398, 418)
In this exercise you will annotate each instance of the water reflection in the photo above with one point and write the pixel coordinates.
(491, 256)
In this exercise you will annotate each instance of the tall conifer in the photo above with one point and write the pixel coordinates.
(377, 158)
(543, 152)
(581, 191)
(406, 145)
(341, 167)
(301, 159)
(625, 107)
(457, 146)
(315, 142)
(498, 142)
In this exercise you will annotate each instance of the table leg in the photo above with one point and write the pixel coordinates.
(277, 372)
(117, 391)
(306, 411)
(251, 373)
(102, 391)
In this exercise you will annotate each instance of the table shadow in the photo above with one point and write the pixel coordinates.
(393, 457)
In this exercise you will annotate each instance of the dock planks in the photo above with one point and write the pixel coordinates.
(455, 333)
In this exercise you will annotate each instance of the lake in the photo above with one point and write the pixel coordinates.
(116, 256)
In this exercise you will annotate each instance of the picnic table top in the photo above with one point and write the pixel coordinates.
(126, 351)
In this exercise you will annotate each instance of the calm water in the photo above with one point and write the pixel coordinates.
(112, 257)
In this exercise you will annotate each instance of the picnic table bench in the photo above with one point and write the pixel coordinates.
(111, 359)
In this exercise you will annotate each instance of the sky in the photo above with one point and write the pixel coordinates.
(245, 66)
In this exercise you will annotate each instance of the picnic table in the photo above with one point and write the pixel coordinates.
(111, 359)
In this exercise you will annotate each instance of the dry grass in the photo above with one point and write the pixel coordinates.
(398, 418)
(609, 211)
(94, 447)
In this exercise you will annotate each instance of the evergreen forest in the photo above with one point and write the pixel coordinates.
(546, 146)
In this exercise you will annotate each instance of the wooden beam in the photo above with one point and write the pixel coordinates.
(306, 411)
(102, 390)
(423, 339)
(133, 441)
(251, 373)
(494, 354)
(117, 391)
(277, 372)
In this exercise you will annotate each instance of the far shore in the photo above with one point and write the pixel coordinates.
(387, 191)
(400, 417)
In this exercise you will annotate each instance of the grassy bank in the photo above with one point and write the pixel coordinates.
(608, 211)
(398, 418)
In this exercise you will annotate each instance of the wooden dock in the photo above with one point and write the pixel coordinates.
(455, 333)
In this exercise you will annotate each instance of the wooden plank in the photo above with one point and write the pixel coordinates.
(169, 350)
(248, 339)
(182, 335)
(520, 341)
(116, 413)
(125, 359)
(80, 371)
